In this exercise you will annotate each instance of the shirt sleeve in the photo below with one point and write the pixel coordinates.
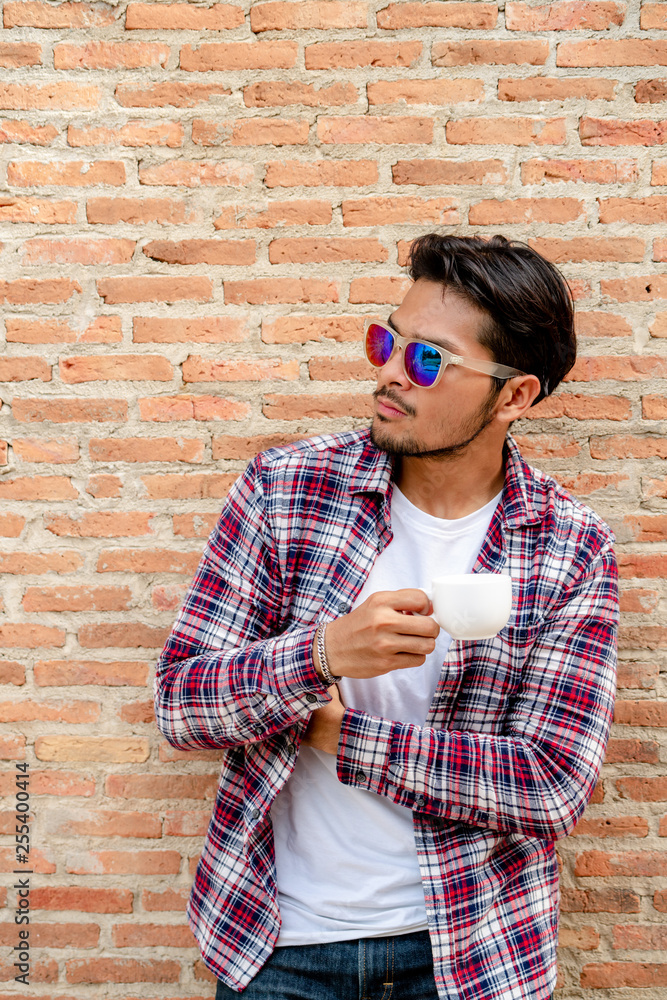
(230, 673)
(537, 776)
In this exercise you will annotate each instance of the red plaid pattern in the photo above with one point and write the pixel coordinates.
(512, 745)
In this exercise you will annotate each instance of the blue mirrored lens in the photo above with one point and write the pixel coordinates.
(422, 363)
(379, 345)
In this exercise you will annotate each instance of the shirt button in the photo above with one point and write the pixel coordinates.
(255, 813)
(343, 608)
(419, 802)
(311, 698)
(360, 775)
(291, 749)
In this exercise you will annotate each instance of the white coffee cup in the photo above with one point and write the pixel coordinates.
(472, 605)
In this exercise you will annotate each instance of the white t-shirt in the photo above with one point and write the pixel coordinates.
(346, 859)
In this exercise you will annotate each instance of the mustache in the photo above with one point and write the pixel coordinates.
(393, 397)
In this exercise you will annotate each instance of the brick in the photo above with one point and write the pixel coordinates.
(162, 786)
(77, 251)
(278, 93)
(635, 289)
(434, 171)
(24, 370)
(66, 173)
(660, 250)
(103, 330)
(168, 754)
(155, 288)
(434, 14)
(205, 330)
(51, 711)
(660, 900)
(642, 565)
(38, 488)
(262, 291)
(335, 370)
(16, 54)
(185, 407)
(218, 251)
(637, 675)
(24, 291)
(147, 561)
(302, 407)
(169, 597)
(121, 970)
(618, 974)
(136, 712)
(139, 935)
(629, 863)
(181, 823)
(617, 446)
(54, 935)
(495, 212)
(134, 134)
(54, 96)
(642, 637)
(378, 290)
(588, 171)
(542, 88)
(54, 450)
(251, 132)
(400, 209)
(639, 600)
(138, 211)
(40, 972)
(565, 16)
(149, 449)
(438, 92)
(71, 14)
(104, 485)
(198, 369)
(175, 95)
(652, 15)
(583, 248)
(578, 407)
(81, 899)
(535, 447)
(39, 862)
(184, 173)
(12, 748)
(632, 751)
(229, 446)
(611, 132)
(583, 938)
(654, 407)
(611, 826)
(29, 564)
(380, 129)
(480, 52)
(11, 525)
(110, 55)
(601, 324)
(644, 211)
(111, 673)
(651, 91)
(350, 54)
(227, 56)
(317, 14)
(110, 749)
(54, 782)
(321, 173)
(128, 635)
(300, 212)
(123, 367)
(641, 713)
(30, 636)
(301, 329)
(63, 411)
(167, 899)
(621, 52)
(183, 16)
(103, 823)
(628, 937)
(198, 525)
(77, 599)
(13, 130)
(507, 131)
(646, 528)
(326, 250)
(189, 486)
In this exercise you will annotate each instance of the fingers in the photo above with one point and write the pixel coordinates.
(405, 612)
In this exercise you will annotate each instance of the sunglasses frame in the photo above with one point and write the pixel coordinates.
(447, 358)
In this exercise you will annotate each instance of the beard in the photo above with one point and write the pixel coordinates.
(408, 446)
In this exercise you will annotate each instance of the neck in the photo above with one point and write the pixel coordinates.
(451, 486)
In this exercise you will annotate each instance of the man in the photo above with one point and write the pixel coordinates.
(389, 798)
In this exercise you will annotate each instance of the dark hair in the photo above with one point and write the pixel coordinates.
(526, 298)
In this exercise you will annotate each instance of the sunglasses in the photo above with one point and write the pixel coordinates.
(423, 363)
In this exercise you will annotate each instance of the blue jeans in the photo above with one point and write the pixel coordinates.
(387, 968)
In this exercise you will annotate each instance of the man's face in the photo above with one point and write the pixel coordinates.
(444, 420)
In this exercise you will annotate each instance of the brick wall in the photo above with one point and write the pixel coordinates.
(200, 205)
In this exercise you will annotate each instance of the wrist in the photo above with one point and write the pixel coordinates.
(320, 657)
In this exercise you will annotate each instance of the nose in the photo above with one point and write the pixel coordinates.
(393, 371)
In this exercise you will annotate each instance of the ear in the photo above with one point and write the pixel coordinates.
(517, 396)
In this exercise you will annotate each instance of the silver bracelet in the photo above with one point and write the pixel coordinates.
(329, 678)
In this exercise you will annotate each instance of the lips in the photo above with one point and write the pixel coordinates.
(386, 409)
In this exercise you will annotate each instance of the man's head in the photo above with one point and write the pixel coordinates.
(529, 321)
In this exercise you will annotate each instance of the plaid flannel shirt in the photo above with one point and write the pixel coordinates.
(508, 756)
